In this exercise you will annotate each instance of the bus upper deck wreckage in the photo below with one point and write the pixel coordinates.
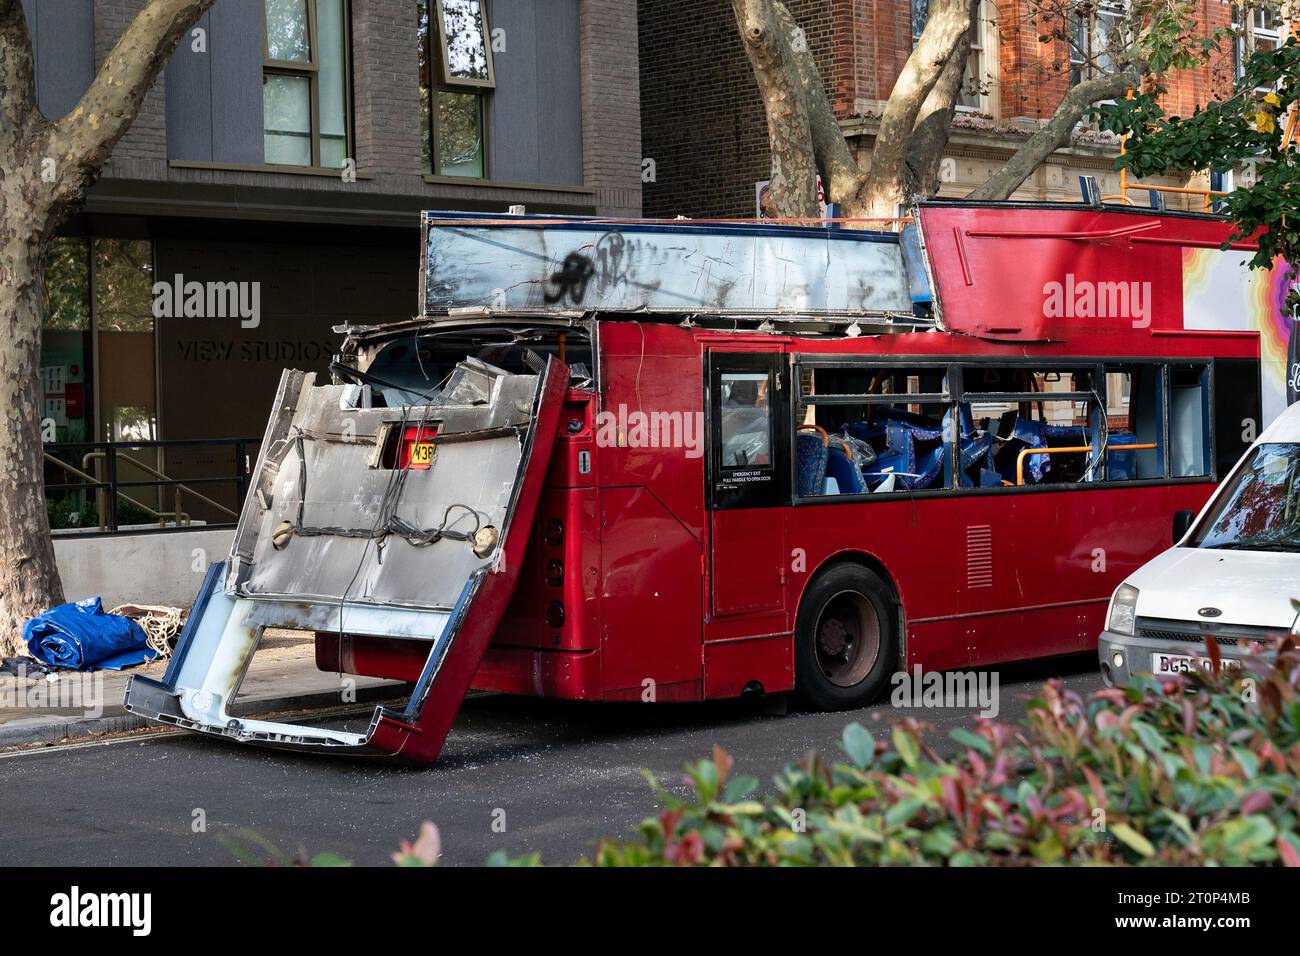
(581, 470)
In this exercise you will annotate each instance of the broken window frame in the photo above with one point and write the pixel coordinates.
(804, 400)
(958, 394)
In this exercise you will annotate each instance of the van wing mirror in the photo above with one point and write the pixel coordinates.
(1183, 523)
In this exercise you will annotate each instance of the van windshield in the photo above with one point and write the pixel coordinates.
(1259, 510)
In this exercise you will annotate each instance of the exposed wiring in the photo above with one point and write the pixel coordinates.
(394, 525)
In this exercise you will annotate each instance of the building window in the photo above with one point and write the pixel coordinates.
(305, 83)
(455, 75)
(920, 14)
(974, 88)
(973, 95)
(1259, 30)
(1094, 30)
(466, 52)
(99, 373)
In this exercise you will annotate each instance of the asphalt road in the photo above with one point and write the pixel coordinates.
(563, 774)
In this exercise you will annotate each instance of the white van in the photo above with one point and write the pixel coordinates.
(1231, 577)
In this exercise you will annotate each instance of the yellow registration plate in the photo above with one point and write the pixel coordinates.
(422, 454)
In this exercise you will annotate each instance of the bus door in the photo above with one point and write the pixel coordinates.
(748, 480)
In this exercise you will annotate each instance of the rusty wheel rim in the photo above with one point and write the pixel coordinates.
(846, 638)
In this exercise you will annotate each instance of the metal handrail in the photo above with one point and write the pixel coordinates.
(1072, 450)
(177, 516)
(110, 490)
(179, 486)
(1125, 185)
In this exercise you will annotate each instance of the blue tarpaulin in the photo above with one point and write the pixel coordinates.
(82, 637)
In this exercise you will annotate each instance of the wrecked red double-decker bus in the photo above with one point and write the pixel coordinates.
(681, 461)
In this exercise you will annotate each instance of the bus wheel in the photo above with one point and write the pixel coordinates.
(846, 640)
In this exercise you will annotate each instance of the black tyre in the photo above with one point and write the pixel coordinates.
(845, 639)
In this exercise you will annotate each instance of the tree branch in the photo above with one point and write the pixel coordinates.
(948, 22)
(1055, 134)
(840, 171)
(793, 190)
(81, 141)
(934, 121)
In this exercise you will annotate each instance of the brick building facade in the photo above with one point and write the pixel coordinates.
(703, 124)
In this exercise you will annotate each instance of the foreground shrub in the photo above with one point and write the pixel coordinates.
(1197, 770)
(1201, 769)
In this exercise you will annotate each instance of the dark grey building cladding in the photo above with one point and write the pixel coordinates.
(63, 43)
(214, 96)
(535, 114)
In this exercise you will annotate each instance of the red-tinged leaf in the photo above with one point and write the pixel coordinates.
(668, 820)
(1286, 849)
(425, 851)
(1255, 802)
(1216, 660)
(1035, 807)
(950, 796)
(1270, 698)
(999, 774)
(724, 763)
(1189, 717)
(1126, 718)
(1095, 786)
(1271, 755)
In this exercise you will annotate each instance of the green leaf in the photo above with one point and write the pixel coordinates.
(751, 808)
(968, 738)
(738, 788)
(939, 843)
(1248, 761)
(705, 774)
(1149, 736)
(902, 811)
(1049, 849)
(859, 745)
(907, 747)
(1132, 839)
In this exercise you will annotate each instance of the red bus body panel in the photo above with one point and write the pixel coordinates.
(665, 600)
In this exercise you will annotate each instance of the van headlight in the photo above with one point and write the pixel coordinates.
(1123, 610)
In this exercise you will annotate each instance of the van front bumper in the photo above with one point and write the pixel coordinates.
(1121, 657)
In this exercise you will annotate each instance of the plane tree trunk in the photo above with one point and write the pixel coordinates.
(793, 189)
(886, 187)
(45, 168)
